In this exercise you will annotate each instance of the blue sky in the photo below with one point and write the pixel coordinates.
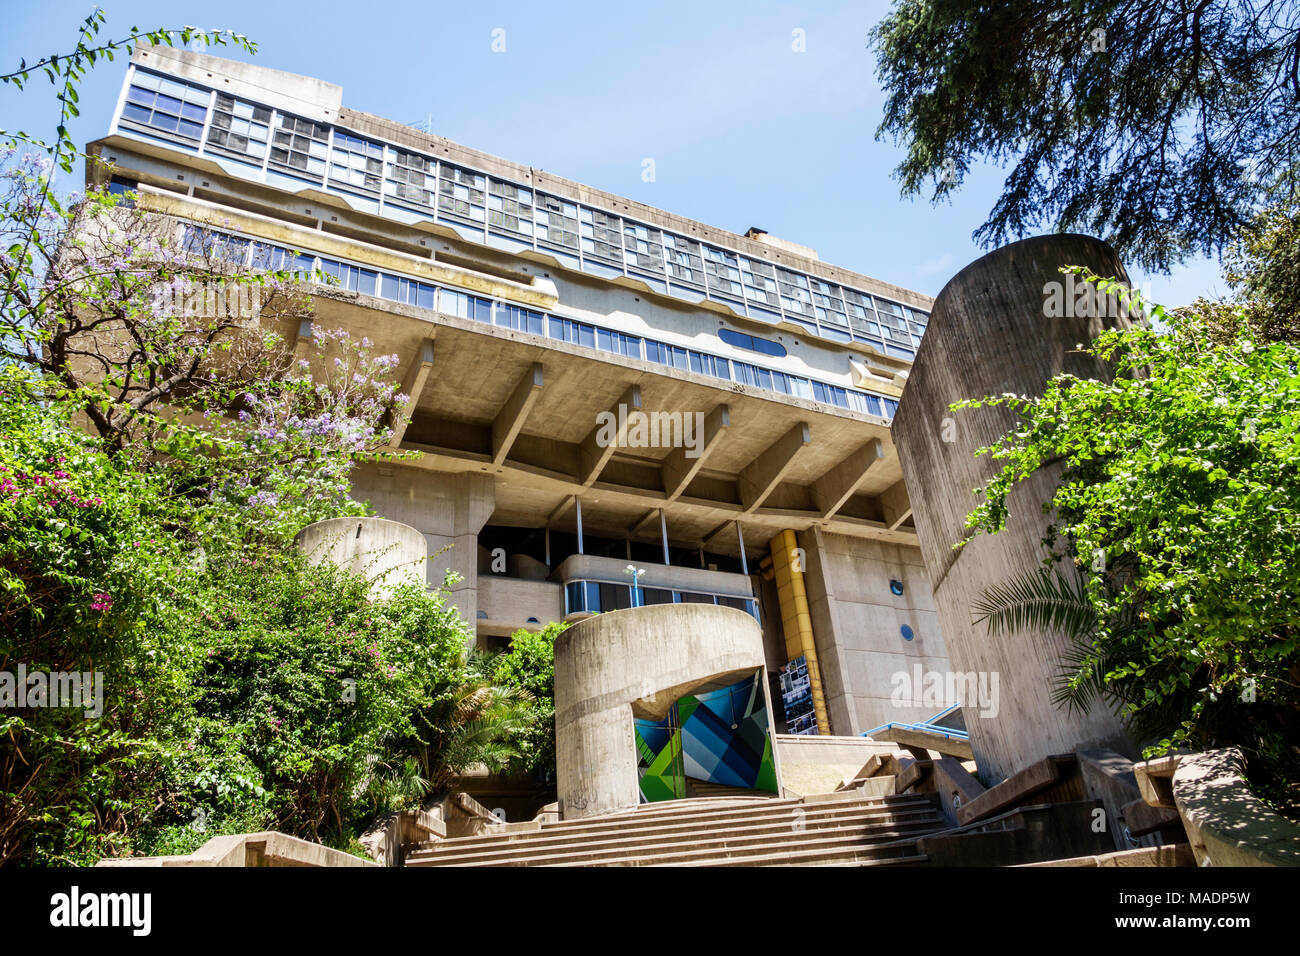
(743, 130)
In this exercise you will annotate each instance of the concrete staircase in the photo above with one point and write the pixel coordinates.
(736, 830)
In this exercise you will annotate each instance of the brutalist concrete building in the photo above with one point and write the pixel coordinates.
(616, 406)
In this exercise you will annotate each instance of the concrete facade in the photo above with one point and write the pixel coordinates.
(990, 335)
(615, 667)
(502, 444)
(867, 663)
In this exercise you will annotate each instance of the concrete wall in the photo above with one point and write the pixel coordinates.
(638, 662)
(510, 602)
(989, 334)
(448, 509)
(389, 554)
(857, 624)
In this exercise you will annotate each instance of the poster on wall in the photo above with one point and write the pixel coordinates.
(796, 698)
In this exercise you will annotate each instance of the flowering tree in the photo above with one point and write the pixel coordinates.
(156, 457)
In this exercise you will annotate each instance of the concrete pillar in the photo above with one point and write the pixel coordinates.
(614, 667)
(448, 509)
(990, 333)
(388, 554)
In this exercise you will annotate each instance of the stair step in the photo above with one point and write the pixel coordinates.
(593, 828)
(683, 838)
(851, 847)
(726, 844)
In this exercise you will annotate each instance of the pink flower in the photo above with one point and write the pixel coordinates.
(102, 602)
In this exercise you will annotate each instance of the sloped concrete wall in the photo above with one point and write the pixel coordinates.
(989, 334)
(613, 666)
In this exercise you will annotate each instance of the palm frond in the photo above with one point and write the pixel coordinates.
(1040, 600)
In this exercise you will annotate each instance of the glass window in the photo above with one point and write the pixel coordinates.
(722, 272)
(753, 375)
(166, 105)
(356, 163)
(830, 394)
(618, 343)
(567, 330)
(401, 289)
(520, 319)
(684, 262)
(643, 248)
(300, 146)
(412, 178)
(510, 208)
(557, 221)
(754, 343)
(759, 280)
(601, 235)
(795, 296)
(461, 194)
(239, 129)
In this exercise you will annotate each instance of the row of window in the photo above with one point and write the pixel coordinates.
(386, 285)
(594, 597)
(593, 240)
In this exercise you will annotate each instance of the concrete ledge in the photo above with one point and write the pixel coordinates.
(1178, 854)
(268, 848)
(1226, 823)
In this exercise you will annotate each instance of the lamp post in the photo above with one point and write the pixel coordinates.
(635, 572)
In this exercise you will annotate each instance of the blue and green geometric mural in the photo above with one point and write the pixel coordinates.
(720, 737)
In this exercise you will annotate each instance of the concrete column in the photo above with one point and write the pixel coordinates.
(622, 665)
(388, 554)
(448, 509)
(990, 333)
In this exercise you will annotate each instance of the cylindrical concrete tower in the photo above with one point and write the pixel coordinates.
(386, 553)
(1006, 323)
(636, 663)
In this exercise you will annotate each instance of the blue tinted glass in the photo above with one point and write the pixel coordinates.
(424, 296)
(138, 113)
(388, 286)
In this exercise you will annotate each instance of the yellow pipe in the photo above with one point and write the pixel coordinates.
(796, 621)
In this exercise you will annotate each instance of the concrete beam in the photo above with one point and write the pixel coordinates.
(833, 489)
(412, 386)
(560, 510)
(510, 420)
(448, 460)
(599, 447)
(765, 472)
(651, 516)
(895, 505)
(679, 468)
